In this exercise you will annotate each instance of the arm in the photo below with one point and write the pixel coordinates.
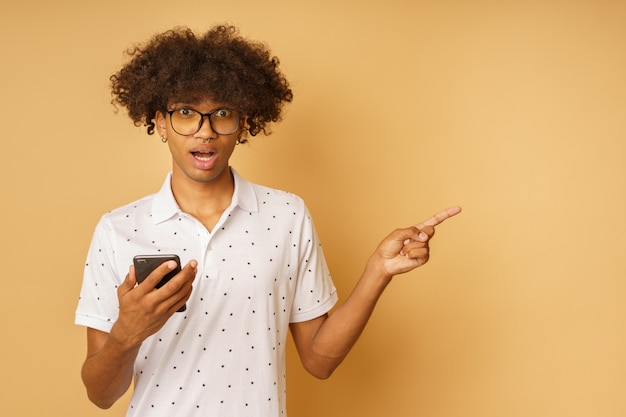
(108, 369)
(324, 342)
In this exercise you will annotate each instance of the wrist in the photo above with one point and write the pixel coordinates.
(376, 267)
(376, 272)
(121, 342)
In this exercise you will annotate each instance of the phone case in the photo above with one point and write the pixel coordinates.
(145, 264)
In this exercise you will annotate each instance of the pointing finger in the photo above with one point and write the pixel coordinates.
(440, 217)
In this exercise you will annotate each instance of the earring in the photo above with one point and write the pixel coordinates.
(163, 139)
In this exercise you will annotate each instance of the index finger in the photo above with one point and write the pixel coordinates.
(440, 217)
(150, 279)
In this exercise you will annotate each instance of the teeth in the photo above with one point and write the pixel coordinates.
(203, 156)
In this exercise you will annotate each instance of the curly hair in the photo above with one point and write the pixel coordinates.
(220, 65)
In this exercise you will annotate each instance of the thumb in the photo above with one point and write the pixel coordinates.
(426, 234)
(129, 282)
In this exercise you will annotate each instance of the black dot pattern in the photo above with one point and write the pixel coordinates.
(260, 268)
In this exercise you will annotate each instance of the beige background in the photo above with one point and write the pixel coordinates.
(514, 110)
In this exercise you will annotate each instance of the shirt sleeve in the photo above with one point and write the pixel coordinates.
(98, 306)
(315, 291)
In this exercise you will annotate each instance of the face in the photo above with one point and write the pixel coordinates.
(193, 159)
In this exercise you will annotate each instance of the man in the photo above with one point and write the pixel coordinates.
(250, 253)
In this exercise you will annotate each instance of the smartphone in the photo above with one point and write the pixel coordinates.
(145, 264)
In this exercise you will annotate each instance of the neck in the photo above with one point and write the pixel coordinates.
(206, 201)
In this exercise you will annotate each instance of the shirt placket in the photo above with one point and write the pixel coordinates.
(207, 259)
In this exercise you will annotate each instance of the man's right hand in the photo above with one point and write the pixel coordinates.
(144, 309)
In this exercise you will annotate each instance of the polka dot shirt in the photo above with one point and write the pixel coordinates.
(260, 268)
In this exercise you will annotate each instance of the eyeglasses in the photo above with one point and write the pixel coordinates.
(187, 121)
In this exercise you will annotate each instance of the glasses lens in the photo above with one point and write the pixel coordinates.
(224, 121)
(187, 121)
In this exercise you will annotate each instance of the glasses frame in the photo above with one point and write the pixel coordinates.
(208, 117)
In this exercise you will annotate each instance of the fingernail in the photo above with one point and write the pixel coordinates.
(423, 236)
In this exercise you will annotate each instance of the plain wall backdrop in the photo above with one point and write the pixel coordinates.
(514, 110)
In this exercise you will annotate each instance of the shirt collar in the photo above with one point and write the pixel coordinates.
(164, 205)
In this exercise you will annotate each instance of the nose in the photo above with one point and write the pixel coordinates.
(205, 131)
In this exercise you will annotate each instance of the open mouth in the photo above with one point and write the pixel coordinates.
(203, 156)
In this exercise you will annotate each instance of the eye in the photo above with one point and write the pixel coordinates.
(221, 113)
(185, 112)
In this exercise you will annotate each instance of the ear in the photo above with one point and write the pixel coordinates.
(159, 121)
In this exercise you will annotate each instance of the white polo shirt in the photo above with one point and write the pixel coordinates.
(260, 268)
